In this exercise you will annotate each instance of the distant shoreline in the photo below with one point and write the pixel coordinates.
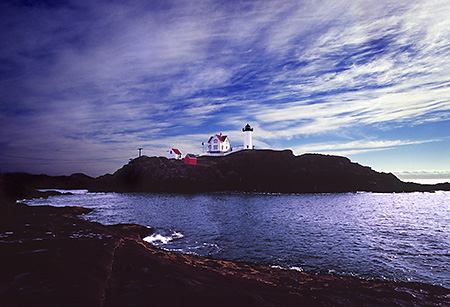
(425, 180)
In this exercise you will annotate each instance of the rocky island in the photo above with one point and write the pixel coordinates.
(246, 171)
(51, 257)
(255, 171)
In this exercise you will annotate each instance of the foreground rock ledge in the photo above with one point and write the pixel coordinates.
(49, 257)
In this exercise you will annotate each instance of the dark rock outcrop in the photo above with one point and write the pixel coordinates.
(22, 185)
(157, 174)
(255, 171)
(248, 171)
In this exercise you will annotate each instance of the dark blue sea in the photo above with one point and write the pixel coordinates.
(400, 237)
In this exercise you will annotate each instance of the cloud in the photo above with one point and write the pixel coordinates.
(341, 111)
(355, 147)
(91, 75)
(371, 71)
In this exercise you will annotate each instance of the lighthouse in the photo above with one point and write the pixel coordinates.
(248, 143)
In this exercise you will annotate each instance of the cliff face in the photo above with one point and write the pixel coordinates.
(158, 174)
(254, 171)
(283, 172)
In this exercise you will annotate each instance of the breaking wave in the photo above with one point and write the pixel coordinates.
(158, 239)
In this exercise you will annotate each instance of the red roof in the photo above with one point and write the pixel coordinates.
(221, 138)
(176, 151)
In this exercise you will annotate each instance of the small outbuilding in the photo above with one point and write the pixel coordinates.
(190, 159)
(174, 154)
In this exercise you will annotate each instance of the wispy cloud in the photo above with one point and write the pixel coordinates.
(114, 75)
(355, 147)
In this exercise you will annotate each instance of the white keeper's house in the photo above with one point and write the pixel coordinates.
(218, 144)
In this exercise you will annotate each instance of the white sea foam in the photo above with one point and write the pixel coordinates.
(293, 268)
(296, 268)
(75, 192)
(158, 239)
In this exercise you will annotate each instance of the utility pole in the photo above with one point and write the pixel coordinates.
(140, 150)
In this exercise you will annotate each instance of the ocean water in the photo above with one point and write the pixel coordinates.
(400, 237)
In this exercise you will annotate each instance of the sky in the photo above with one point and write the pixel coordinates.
(85, 83)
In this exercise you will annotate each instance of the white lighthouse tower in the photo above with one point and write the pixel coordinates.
(248, 142)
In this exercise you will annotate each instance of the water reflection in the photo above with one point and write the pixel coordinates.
(394, 236)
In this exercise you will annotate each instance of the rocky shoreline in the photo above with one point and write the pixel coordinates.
(52, 257)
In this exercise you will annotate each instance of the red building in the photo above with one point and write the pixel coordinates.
(190, 159)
